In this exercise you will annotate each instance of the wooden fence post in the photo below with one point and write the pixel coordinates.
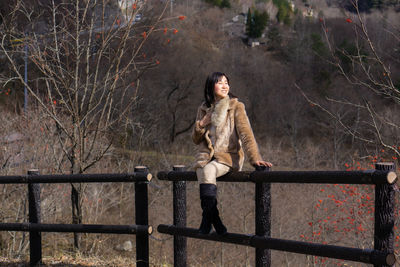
(384, 212)
(35, 237)
(263, 219)
(141, 218)
(179, 198)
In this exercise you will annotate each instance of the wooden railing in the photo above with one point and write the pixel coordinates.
(383, 177)
(33, 179)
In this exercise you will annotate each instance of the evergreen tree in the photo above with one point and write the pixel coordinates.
(260, 22)
(284, 11)
(274, 39)
(249, 23)
(318, 46)
(225, 3)
(256, 23)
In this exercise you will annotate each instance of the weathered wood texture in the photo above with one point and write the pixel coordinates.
(384, 213)
(35, 237)
(142, 218)
(263, 219)
(337, 252)
(317, 177)
(179, 209)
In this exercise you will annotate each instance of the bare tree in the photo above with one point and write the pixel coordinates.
(85, 66)
(372, 71)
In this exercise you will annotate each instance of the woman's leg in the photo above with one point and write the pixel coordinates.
(208, 194)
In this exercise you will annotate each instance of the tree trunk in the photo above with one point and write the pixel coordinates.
(76, 188)
(76, 194)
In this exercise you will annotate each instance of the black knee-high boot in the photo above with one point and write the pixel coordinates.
(208, 196)
(216, 221)
(205, 226)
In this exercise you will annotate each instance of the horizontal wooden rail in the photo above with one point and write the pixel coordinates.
(78, 228)
(191, 176)
(353, 254)
(318, 177)
(77, 178)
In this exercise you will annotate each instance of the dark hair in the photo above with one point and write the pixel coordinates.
(212, 79)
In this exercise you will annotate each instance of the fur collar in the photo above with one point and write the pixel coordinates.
(232, 105)
(220, 111)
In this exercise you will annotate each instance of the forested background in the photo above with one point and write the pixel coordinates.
(116, 84)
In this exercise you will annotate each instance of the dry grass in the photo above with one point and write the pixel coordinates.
(75, 261)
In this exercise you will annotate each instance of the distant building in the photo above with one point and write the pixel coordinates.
(309, 12)
(253, 42)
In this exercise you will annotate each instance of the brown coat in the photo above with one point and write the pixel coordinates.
(234, 133)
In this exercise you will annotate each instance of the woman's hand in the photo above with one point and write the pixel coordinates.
(206, 120)
(263, 163)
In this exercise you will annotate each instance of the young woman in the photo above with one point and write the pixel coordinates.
(222, 131)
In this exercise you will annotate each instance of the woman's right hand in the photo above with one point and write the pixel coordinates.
(206, 120)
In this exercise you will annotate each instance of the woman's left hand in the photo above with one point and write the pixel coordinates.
(263, 163)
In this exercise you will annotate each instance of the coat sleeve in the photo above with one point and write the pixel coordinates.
(198, 132)
(246, 135)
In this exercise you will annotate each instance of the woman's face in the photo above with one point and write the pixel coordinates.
(221, 88)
